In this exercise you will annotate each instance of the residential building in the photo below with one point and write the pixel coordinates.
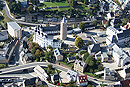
(71, 75)
(41, 72)
(27, 58)
(63, 29)
(93, 1)
(104, 57)
(126, 4)
(115, 21)
(120, 1)
(41, 1)
(125, 83)
(93, 49)
(80, 66)
(29, 82)
(58, 54)
(110, 74)
(120, 57)
(14, 30)
(23, 2)
(82, 80)
(39, 19)
(112, 31)
(3, 53)
(45, 40)
(28, 18)
(125, 73)
(3, 35)
(119, 38)
(55, 78)
(71, 59)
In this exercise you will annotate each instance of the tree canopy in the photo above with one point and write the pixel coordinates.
(82, 26)
(30, 8)
(79, 42)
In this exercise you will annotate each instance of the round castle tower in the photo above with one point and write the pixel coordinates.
(63, 29)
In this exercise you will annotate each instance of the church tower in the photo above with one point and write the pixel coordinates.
(63, 29)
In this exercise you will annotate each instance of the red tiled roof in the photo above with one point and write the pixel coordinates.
(125, 83)
(83, 78)
(104, 21)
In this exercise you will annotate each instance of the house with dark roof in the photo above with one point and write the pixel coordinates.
(82, 80)
(125, 83)
(58, 54)
(120, 56)
(110, 74)
(125, 73)
(29, 82)
(115, 21)
(71, 59)
(119, 38)
(93, 49)
(80, 66)
(53, 29)
(71, 75)
(24, 4)
(3, 35)
(55, 78)
(27, 58)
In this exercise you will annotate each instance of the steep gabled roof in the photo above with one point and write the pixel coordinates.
(94, 47)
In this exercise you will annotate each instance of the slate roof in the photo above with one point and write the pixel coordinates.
(51, 28)
(94, 47)
(56, 77)
(127, 72)
(71, 58)
(125, 34)
(114, 39)
(55, 40)
(30, 81)
(81, 63)
(3, 33)
(57, 52)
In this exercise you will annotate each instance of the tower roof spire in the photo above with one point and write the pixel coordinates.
(64, 20)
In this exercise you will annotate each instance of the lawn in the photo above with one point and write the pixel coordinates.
(5, 20)
(82, 6)
(63, 3)
(59, 9)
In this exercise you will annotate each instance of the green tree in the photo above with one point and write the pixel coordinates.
(88, 43)
(82, 52)
(82, 26)
(30, 8)
(95, 22)
(79, 42)
(100, 67)
(72, 3)
(50, 67)
(33, 1)
(76, 57)
(117, 25)
(47, 24)
(124, 22)
(37, 53)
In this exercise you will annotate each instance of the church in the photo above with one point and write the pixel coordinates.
(43, 35)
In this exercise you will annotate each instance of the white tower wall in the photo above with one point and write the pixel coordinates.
(63, 29)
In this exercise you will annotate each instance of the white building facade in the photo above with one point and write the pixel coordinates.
(14, 29)
(63, 29)
(45, 40)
